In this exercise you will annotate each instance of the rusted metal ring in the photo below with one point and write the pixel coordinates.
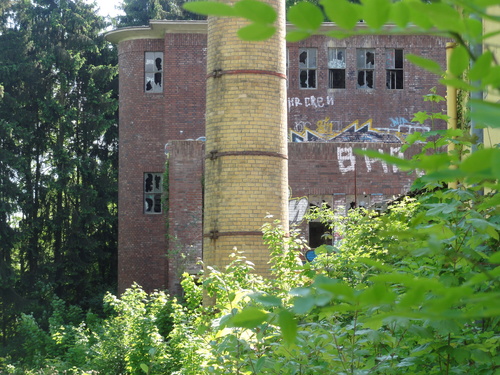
(215, 154)
(216, 73)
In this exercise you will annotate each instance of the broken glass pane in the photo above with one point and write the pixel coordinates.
(336, 58)
(365, 79)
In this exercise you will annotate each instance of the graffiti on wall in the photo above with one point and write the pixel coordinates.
(310, 101)
(347, 159)
(297, 208)
(326, 131)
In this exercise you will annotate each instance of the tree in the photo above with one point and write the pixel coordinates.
(139, 12)
(58, 121)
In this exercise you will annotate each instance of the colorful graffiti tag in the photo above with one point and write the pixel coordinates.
(354, 132)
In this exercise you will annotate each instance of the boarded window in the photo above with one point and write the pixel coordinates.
(394, 68)
(336, 68)
(365, 61)
(153, 69)
(153, 188)
(307, 68)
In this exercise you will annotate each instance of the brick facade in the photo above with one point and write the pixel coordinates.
(322, 168)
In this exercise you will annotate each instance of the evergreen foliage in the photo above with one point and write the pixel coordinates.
(139, 12)
(58, 158)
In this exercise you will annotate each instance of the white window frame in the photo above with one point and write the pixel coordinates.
(308, 68)
(336, 64)
(153, 190)
(394, 66)
(365, 65)
(153, 72)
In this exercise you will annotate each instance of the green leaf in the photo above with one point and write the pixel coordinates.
(400, 14)
(210, 8)
(374, 263)
(481, 66)
(338, 289)
(266, 299)
(486, 113)
(481, 160)
(256, 32)
(345, 14)
(255, 11)
(474, 29)
(288, 326)
(495, 258)
(459, 60)
(444, 17)
(144, 368)
(400, 163)
(249, 317)
(376, 12)
(296, 36)
(418, 15)
(305, 16)
(493, 77)
(428, 64)
(324, 249)
(458, 83)
(302, 305)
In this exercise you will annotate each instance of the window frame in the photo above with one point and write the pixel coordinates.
(310, 67)
(335, 67)
(394, 65)
(152, 71)
(365, 68)
(152, 191)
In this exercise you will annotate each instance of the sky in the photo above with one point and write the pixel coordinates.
(107, 7)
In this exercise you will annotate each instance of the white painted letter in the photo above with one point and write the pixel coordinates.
(343, 155)
(396, 151)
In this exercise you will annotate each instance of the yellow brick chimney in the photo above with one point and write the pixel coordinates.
(246, 162)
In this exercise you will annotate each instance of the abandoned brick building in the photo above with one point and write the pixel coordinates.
(358, 92)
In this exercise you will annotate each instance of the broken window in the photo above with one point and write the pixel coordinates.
(319, 234)
(307, 66)
(336, 68)
(153, 188)
(394, 68)
(365, 60)
(153, 69)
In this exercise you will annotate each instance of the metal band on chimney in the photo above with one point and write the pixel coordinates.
(215, 154)
(219, 72)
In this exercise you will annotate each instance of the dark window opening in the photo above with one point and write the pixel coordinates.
(153, 72)
(316, 235)
(307, 65)
(394, 79)
(394, 67)
(336, 79)
(365, 61)
(336, 68)
(365, 79)
(152, 193)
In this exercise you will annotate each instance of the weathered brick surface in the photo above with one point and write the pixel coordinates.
(341, 107)
(248, 176)
(185, 213)
(149, 121)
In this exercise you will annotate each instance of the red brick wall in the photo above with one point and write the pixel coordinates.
(149, 121)
(185, 213)
(386, 108)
